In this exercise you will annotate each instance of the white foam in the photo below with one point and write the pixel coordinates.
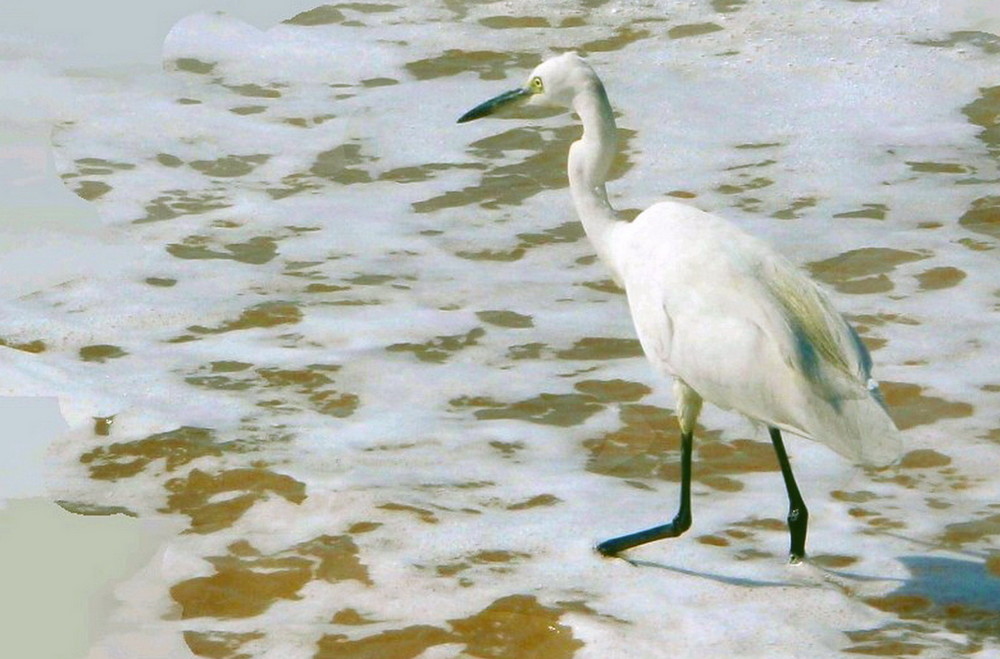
(842, 89)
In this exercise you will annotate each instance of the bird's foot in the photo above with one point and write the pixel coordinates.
(615, 546)
(607, 549)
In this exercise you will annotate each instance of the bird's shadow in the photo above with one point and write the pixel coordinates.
(729, 580)
(958, 594)
(950, 594)
(949, 581)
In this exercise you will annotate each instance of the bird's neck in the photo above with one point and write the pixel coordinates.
(589, 161)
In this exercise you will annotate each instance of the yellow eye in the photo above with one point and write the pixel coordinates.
(536, 85)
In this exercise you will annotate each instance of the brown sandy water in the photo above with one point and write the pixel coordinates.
(278, 556)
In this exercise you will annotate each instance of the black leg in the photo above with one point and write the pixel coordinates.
(798, 516)
(681, 522)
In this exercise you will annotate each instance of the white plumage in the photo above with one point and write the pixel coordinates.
(718, 310)
(729, 319)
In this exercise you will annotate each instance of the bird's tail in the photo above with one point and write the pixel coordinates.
(858, 427)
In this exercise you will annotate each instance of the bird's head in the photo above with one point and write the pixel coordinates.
(554, 82)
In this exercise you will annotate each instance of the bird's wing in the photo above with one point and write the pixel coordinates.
(846, 410)
(823, 346)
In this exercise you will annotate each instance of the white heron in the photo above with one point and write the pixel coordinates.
(729, 319)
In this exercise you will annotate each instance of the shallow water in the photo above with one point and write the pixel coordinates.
(368, 358)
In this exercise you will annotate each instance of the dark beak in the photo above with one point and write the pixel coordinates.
(494, 104)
